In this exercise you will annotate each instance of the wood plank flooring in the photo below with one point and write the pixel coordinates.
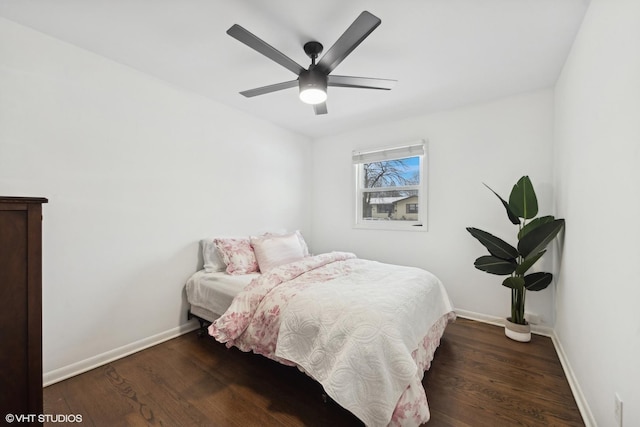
(477, 378)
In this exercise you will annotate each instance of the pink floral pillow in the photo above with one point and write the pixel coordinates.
(237, 254)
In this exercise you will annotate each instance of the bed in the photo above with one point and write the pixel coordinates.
(365, 330)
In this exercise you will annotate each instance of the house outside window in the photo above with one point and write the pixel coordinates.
(390, 187)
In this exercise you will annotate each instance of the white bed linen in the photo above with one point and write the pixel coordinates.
(366, 364)
(215, 291)
(368, 328)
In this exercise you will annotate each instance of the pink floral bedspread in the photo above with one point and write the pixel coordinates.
(365, 330)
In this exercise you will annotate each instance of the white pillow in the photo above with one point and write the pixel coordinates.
(303, 244)
(273, 251)
(211, 257)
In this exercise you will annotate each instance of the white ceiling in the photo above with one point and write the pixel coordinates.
(444, 53)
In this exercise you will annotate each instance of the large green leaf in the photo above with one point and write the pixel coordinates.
(537, 281)
(496, 246)
(514, 282)
(528, 262)
(495, 265)
(512, 217)
(533, 224)
(538, 238)
(522, 200)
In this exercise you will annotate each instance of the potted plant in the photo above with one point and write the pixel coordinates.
(534, 234)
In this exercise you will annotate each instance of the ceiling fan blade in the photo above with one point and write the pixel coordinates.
(349, 40)
(320, 108)
(268, 89)
(360, 82)
(257, 44)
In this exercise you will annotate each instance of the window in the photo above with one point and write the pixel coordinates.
(390, 187)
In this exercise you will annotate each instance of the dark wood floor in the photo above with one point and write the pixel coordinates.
(478, 378)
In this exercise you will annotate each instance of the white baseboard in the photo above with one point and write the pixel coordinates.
(484, 318)
(581, 401)
(583, 406)
(499, 321)
(77, 368)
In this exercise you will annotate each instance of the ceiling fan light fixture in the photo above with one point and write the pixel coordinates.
(313, 87)
(313, 96)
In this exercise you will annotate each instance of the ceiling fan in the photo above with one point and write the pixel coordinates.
(314, 80)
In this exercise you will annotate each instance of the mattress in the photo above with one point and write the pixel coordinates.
(210, 294)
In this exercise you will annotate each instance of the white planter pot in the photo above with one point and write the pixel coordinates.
(521, 333)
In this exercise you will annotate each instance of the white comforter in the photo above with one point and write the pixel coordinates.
(353, 325)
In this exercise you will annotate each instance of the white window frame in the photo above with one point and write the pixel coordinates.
(394, 152)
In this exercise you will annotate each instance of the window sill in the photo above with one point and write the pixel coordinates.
(389, 226)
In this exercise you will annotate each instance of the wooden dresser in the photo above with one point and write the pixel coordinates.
(21, 305)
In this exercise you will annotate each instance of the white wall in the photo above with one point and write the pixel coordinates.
(598, 191)
(136, 172)
(494, 143)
